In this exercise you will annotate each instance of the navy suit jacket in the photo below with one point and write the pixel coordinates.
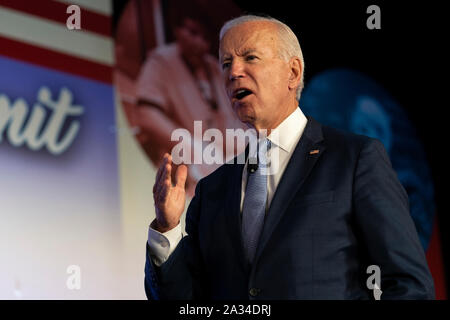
(334, 213)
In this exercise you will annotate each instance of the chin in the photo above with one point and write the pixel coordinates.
(244, 111)
(246, 117)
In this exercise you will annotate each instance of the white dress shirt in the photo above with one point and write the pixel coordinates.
(284, 139)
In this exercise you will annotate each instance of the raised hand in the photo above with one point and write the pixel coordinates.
(169, 196)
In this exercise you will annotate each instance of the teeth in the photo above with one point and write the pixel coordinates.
(241, 93)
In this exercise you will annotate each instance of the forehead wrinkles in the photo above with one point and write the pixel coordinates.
(256, 35)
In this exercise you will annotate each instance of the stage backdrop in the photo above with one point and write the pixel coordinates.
(63, 233)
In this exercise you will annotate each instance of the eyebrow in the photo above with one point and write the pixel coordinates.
(245, 52)
(248, 51)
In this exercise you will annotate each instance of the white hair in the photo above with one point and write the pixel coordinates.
(289, 45)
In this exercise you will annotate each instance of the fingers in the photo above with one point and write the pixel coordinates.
(161, 167)
(161, 170)
(163, 179)
(180, 176)
(163, 191)
(169, 199)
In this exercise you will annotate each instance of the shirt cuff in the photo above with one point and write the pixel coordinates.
(161, 245)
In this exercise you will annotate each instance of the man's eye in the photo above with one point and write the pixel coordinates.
(225, 65)
(250, 58)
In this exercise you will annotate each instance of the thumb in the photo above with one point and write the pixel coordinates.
(180, 176)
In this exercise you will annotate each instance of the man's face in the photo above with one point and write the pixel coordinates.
(256, 78)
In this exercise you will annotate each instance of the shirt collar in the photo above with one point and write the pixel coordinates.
(288, 132)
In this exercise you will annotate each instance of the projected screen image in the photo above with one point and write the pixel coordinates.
(168, 75)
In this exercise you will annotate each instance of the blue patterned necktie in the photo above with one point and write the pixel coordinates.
(255, 200)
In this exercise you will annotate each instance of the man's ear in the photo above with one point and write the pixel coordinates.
(296, 71)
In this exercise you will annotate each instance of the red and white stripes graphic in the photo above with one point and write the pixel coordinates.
(36, 32)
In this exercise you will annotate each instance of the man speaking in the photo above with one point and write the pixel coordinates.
(311, 229)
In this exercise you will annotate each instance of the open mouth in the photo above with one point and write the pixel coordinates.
(242, 93)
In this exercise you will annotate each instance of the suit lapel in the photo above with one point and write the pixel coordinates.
(295, 174)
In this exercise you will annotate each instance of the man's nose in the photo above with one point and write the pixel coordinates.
(236, 70)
